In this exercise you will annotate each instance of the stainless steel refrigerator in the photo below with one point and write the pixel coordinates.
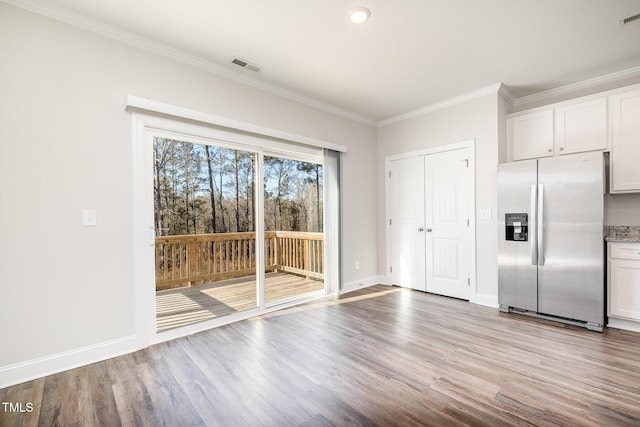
(550, 231)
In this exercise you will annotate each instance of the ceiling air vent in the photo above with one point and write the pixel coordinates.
(629, 19)
(246, 64)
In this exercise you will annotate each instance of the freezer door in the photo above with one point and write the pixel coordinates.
(517, 270)
(571, 281)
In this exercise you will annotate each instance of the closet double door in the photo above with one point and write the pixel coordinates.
(428, 227)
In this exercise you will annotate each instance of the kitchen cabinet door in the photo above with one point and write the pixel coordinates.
(625, 289)
(581, 126)
(625, 144)
(531, 134)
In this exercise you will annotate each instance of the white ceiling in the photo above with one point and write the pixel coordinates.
(410, 54)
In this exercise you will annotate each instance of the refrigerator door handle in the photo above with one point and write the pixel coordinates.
(533, 226)
(540, 224)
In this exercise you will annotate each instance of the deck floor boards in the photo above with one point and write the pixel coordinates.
(379, 356)
(183, 306)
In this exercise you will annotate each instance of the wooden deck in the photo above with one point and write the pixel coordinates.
(183, 306)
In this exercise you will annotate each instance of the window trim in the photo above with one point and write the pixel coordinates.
(136, 103)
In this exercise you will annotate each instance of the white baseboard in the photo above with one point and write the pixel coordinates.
(627, 325)
(383, 280)
(362, 283)
(486, 300)
(37, 368)
(480, 299)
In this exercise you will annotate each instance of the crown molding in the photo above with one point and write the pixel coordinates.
(549, 95)
(178, 55)
(493, 89)
(114, 33)
(504, 91)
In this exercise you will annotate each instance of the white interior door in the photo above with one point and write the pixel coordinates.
(447, 223)
(406, 207)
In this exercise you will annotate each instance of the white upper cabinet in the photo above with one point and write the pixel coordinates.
(531, 134)
(605, 121)
(568, 127)
(581, 126)
(625, 143)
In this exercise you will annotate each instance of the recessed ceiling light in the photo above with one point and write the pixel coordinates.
(359, 14)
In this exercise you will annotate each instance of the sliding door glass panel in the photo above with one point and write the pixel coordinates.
(205, 246)
(294, 225)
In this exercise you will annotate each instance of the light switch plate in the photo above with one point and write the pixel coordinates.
(485, 213)
(89, 218)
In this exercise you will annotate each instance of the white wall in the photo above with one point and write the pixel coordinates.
(476, 119)
(66, 145)
(622, 209)
(504, 108)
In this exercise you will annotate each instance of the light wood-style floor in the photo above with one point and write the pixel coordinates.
(381, 356)
(183, 306)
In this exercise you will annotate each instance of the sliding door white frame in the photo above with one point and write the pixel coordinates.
(145, 128)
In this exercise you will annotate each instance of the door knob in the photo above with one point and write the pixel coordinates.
(428, 230)
(421, 229)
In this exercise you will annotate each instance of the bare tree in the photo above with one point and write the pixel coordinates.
(314, 176)
(278, 171)
(222, 169)
(212, 193)
(202, 189)
(163, 156)
(236, 170)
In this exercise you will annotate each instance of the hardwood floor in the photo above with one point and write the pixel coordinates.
(184, 306)
(380, 356)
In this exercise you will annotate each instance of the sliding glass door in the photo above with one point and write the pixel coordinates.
(294, 228)
(222, 247)
(205, 228)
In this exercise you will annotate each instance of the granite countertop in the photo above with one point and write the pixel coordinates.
(623, 233)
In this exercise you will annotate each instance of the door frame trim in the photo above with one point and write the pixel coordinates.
(467, 144)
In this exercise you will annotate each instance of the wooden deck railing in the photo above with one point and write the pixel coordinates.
(297, 252)
(195, 258)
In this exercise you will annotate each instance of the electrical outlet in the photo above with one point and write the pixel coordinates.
(485, 213)
(357, 265)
